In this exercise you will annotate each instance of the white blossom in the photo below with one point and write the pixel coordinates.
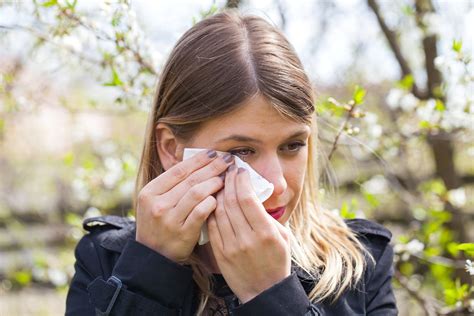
(80, 189)
(409, 102)
(375, 131)
(57, 277)
(393, 98)
(72, 42)
(376, 185)
(470, 151)
(427, 111)
(414, 246)
(457, 197)
(370, 118)
(434, 24)
(469, 267)
(127, 188)
(114, 171)
(440, 61)
(92, 212)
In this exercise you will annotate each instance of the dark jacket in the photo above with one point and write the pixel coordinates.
(115, 273)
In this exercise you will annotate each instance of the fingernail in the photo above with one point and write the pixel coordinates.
(211, 153)
(228, 157)
(231, 168)
(241, 170)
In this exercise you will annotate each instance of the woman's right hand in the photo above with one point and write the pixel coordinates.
(172, 207)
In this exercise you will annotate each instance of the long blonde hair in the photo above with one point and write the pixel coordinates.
(214, 67)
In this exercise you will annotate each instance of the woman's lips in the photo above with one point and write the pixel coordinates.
(276, 213)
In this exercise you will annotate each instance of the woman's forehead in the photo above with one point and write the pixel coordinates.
(256, 119)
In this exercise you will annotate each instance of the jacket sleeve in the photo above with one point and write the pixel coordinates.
(288, 297)
(380, 299)
(285, 298)
(143, 282)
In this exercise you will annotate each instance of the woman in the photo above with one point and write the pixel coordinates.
(232, 84)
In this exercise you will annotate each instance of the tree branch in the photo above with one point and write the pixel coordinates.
(392, 41)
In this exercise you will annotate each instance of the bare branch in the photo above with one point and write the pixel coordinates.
(392, 41)
(343, 127)
(232, 4)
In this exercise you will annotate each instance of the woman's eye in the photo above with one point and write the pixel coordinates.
(241, 152)
(245, 152)
(296, 146)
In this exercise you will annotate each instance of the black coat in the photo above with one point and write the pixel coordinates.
(144, 282)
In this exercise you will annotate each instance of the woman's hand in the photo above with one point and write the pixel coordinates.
(173, 206)
(251, 248)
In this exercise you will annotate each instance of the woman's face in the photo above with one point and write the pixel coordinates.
(274, 146)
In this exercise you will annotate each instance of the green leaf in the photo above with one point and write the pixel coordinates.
(49, 3)
(331, 105)
(115, 79)
(468, 248)
(359, 94)
(406, 82)
(456, 293)
(89, 164)
(457, 46)
(425, 125)
(213, 9)
(371, 199)
(73, 219)
(71, 5)
(408, 10)
(434, 186)
(452, 248)
(68, 159)
(440, 216)
(440, 106)
(406, 268)
(346, 212)
(403, 239)
(22, 277)
(431, 251)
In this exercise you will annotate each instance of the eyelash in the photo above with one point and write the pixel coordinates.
(298, 144)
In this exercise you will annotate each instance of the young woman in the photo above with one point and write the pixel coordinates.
(232, 84)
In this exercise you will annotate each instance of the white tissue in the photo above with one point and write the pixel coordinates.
(261, 186)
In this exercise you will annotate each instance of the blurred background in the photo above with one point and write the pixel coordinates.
(395, 113)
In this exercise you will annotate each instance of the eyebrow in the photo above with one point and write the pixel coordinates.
(242, 138)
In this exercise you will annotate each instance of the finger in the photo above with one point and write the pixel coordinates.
(199, 214)
(234, 213)
(215, 237)
(170, 178)
(213, 169)
(284, 231)
(193, 197)
(251, 206)
(225, 228)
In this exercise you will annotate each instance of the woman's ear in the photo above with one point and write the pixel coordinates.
(167, 145)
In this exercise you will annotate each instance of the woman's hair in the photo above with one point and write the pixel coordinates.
(216, 66)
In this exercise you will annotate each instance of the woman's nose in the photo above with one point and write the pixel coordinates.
(272, 170)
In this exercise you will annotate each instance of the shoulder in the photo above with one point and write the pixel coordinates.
(110, 232)
(369, 229)
(374, 236)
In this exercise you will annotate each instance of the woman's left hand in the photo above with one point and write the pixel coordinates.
(251, 248)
